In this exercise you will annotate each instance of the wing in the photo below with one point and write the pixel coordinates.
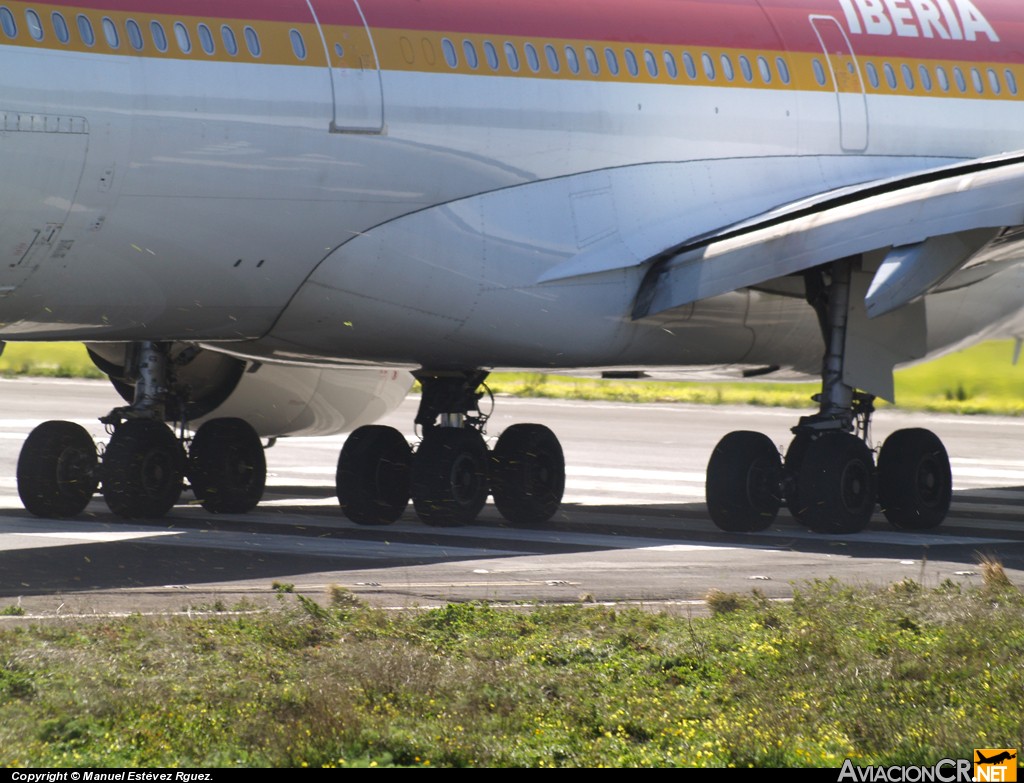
(928, 225)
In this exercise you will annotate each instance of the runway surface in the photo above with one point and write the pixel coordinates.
(633, 526)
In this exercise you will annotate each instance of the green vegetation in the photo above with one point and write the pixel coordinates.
(982, 379)
(54, 360)
(978, 380)
(904, 675)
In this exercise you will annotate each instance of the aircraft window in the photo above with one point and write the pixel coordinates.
(227, 35)
(34, 24)
(572, 59)
(491, 54)
(993, 80)
(472, 59)
(110, 33)
(1011, 81)
(819, 72)
(552, 57)
(651, 62)
(926, 78)
(765, 70)
(908, 76)
(7, 22)
(979, 85)
(206, 40)
(631, 64)
(709, 66)
(727, 68)
(690, 65)
(339, 51)
(943, 77)
(532, 58)
(428, 50)
(60, 27)
(511, 56)
(872, 75)
(613, 62)
(890, 75)
(85, 30)
(783, 69)
(252, 41)
(592, 62)
(450, 56)
(746, 69)
(159, 36)
(182, 37)
(670, 65)
(961, 82)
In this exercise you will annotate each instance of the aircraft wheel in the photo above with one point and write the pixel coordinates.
(57, 470)
(835, 484)
(915, 483)
(743, 481)
(227, 467)
(143, 468)
(527, 474)
(373, 475)
(450, 477)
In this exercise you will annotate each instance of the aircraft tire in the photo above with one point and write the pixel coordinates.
(743, 480)
(57, 474)
(227, 467)
(915, 483)
(450, 477)
(143, 469)
(836, 485)
(527, 474)
(373, 475)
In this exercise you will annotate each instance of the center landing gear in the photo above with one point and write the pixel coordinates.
(451, 473)
(829, 480)
(144, 466)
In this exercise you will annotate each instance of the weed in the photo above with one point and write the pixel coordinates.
(993, 575)
(12, 611)
(343, 598)
(282, 587)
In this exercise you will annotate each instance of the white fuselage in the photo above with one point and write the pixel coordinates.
(159, 198)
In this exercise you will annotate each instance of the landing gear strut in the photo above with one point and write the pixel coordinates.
(451, 473)
(829, 480)
(144, 466)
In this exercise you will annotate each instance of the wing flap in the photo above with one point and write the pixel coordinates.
(941, 220)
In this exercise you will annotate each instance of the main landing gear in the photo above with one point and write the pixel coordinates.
(829, 480)
(451, 473)
(145, 464)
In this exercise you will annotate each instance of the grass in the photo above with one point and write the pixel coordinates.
(981, 379)
(904, 675)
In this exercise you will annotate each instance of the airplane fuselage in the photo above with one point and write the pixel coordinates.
(388, 181)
